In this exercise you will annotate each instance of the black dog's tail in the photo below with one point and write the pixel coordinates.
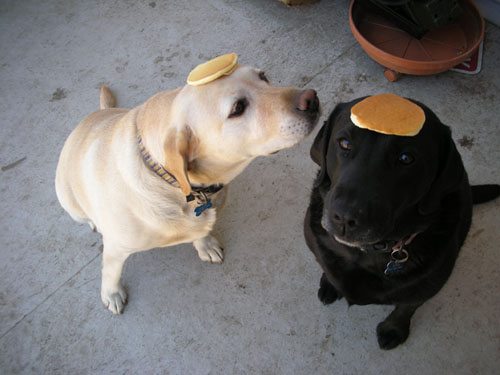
(484, 193)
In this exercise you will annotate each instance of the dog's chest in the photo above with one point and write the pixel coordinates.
(340, 261)
(183, 226)
(164, 219)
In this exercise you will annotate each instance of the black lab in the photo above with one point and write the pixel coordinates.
(388, 215)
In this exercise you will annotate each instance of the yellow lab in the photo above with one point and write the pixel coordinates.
(155, 175)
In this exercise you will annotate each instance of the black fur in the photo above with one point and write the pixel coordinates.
(365, 195)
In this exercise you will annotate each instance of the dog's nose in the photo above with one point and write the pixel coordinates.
(307, 101)
(346, 221)
(344, 216)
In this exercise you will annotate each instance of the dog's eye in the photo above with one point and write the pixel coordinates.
(238, 108)
(344, 144)
(263, 77)
(406, 159)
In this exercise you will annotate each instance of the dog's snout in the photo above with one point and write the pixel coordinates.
(303, 109)
(307, 101)
(355, 216)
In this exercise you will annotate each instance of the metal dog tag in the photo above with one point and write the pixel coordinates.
(398, 261)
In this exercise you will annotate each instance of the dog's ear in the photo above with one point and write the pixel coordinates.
(450, 171)
(319, 148)
(180, 147)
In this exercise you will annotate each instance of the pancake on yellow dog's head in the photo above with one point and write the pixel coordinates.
(213, 69)
(388, 114)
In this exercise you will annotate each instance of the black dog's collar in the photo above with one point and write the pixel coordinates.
(381, 246)
(388, 245)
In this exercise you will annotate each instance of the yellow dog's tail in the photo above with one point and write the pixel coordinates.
(107, 98)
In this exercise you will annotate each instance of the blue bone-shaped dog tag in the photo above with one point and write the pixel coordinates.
(199, 210)
(393, 267)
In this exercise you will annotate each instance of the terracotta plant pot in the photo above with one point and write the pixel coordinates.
(437, 51)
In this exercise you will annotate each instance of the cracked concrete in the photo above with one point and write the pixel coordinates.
(258, 312)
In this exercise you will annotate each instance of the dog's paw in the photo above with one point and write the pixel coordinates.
(327, 292)
(209, 250)
(390, 335)
(116, 300)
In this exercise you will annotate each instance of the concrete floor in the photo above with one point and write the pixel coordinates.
(258, 312)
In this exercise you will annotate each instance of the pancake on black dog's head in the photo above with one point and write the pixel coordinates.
(387, 215)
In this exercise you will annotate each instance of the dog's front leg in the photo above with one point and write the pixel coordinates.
(327, 292)
(209, 249)
(113, 294)
(394, 330)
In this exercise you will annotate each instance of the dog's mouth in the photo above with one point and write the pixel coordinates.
(296, 129)
(359, 239)
(357, 243)
(347, 243)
